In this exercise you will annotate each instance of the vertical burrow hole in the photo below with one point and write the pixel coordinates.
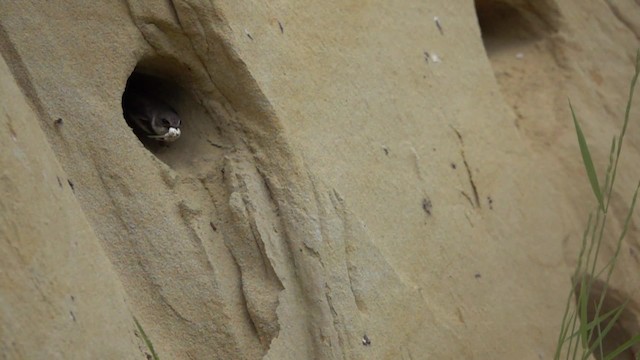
(150, 93)
(510, 24)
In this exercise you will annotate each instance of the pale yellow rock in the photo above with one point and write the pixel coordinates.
(352, 181)
(59, 298)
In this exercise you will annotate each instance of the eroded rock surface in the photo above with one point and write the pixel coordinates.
(353, 180)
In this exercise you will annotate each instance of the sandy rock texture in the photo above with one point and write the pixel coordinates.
(354, 179)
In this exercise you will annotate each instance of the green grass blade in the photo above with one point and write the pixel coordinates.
(625, 228)
(629, 343)
(583, 247)
(627, 112)
(586, 158)
(607, 183)
(582, 310)
(631, 92)
(611, 263)
(574, 323)
(593, 324)
(581, 336)
(146, 340)
(574, 351)
(602, 334)
(568, 315)
(572, 320)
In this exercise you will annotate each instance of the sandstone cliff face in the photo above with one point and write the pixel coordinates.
(347, 171)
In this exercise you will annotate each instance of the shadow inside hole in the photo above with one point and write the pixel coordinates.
(510, 24)
(202, 142)
(622, 330)
(163, 94)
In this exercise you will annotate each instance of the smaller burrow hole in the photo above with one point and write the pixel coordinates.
(155, 107)
(623, 328)
(509, 24)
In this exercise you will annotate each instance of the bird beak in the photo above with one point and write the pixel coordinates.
(172, 135)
